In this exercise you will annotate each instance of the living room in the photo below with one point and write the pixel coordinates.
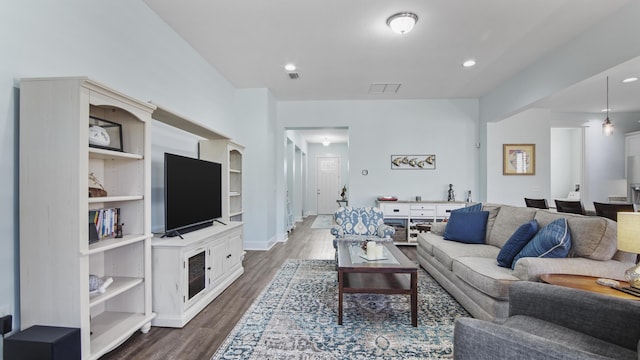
(126, 45)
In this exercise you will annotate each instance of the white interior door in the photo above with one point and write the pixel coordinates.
(328, 183)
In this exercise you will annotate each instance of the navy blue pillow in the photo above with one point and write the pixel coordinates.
(516, 242)
(552, 241)
(472, 208)
(467, 227)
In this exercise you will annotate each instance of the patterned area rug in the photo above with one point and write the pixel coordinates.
(323, 222)
(296, 316)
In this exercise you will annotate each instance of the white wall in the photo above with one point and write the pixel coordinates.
(120, 43)
(529, 127)
(566, 162)
(255, 109)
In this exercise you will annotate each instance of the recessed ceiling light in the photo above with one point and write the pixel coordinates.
(631, 79)
(290, 67)
(469, 63)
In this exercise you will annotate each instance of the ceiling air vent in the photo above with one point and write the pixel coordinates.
(294, 75)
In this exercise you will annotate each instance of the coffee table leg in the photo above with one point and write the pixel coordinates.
(340, 289)
(414, 299)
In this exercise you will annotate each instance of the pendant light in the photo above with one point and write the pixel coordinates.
(607, 125)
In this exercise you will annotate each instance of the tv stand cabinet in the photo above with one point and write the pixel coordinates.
(191, 272)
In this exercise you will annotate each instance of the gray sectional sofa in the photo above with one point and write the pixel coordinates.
(469, 272)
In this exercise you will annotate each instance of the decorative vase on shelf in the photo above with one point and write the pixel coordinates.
(344, 192)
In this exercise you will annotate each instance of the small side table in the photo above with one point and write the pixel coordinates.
(340, 201)
(587, 283)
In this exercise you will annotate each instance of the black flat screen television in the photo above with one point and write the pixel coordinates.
(192, 193)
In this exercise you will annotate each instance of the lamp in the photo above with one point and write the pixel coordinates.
(629, 241)
(326, 142)
(403, 22)
(607, 125)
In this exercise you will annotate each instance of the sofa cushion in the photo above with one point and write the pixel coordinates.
(593, 237)
(471, 208)
(493, 210)
(508, 220)
(563, 335)
(552, 241)
(437, 228)
(483, 274)
(467, 227)
(446, 251)
(516, 243)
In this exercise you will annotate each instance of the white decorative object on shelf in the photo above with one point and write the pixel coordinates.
(99, 136)
(97, 285)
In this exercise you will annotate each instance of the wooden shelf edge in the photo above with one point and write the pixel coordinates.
(110, 329)
(120, 285)
(95, 200)
(112, 243)
(112, 155)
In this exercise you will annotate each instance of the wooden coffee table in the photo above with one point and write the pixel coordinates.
(395, 275)
(587, 283)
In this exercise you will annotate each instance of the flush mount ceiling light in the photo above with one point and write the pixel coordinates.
(326, 142)
(403, 22)
(290, 67)
(607, 125)
(631, 79)
(469, 63)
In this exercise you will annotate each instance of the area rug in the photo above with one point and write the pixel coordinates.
(323, 222)
(296, 316)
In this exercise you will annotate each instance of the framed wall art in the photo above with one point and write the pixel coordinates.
(413, 162)
(518, 159)
(104, 134)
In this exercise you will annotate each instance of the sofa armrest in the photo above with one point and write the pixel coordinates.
(531, 268)
(385, 231)
(478, 340)
(611, 319)
(337, 231)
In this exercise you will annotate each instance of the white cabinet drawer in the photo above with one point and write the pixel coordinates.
(425, 213)
(444, 210)
(430, 207)
(390, 210)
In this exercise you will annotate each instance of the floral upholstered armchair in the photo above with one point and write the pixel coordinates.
(364, 223)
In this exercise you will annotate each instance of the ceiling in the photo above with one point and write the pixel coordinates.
(342, 47)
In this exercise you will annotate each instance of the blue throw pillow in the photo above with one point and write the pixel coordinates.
(472, 208)
(467, 227)
(552, 241)
(516, 242)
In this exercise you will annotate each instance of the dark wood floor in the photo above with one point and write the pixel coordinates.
(202, 336)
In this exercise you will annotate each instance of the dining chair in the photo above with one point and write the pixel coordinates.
(536, 203)
(611, 211)
(573, 207)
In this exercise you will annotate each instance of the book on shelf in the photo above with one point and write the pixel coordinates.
(105, 222)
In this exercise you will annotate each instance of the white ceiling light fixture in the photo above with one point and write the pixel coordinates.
(290, 67)
(469, 63)
(326, 142)
(630, 79)
(403, 22)
(607, 125)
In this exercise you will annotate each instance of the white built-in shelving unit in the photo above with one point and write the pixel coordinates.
(56, 258)
(192, 270)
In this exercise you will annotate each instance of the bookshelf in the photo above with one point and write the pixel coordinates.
(56, 258)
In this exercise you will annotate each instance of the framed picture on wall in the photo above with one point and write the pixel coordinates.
(518, 159)
(413, 162)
